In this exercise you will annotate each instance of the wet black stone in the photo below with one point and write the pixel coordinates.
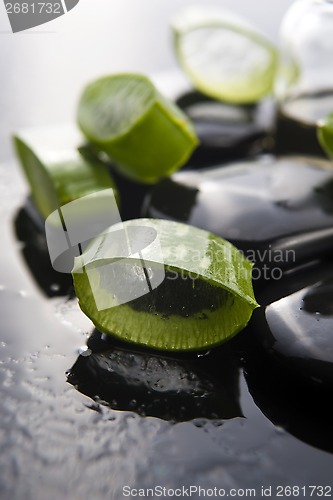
(179, 388)
(226, 131)
(131, 194)
(54, 446)
(278, 211)
(300, 407)
(295, 323)
(29, 230)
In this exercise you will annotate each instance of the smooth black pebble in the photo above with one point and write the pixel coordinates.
(295, 323)
(226, 131)
(150, 383)
(299, 406)
(29, 230)
(279, 211)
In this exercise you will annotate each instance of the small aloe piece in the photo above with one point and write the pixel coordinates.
(56, 170)
(146, 136)
(325, 134)
(186, 288)
(223, 55)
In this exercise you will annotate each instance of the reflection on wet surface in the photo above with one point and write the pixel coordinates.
(319, 299)
(254, 201)
(300, 408)
(278, 211)
(176, 389)
(54, 446)
(227, 131)
(29, 229)
(295, 324)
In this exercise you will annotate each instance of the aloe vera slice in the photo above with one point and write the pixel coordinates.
(147, 136)
(55, 169)
(325, 134)
(204, 298)
(223, 55)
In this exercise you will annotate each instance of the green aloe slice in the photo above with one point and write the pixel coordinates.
(204, 298)
(147, 136)
(223, 55)
(55, 169)
(325, 134)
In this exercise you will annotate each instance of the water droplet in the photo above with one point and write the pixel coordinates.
(199, 422)
(85, 351)
(205, 353)
(55, 287)
(217, 423)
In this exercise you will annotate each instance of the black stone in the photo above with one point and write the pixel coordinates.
(226, 131)
(295, 323)
(180, 388)
(278, 211)
(300, 407)
(29, 230)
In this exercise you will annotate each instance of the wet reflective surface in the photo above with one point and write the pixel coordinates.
(152, 384)
(295, 324)
(29, 230)
(59, 443)
(296, 126)
(278, 211)
(226, 131)
(300, 407)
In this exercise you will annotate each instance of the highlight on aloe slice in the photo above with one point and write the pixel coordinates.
(325, 134)
(55, 169)
(165, 285)
(223, 55)
(147, 136)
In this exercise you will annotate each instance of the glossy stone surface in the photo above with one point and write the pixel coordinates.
(226, 131)
(58, 443)
(290, 402)
(178, 388)
(29, 230)
(295, 322)
(278, 211)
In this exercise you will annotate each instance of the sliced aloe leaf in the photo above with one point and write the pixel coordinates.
(223, 55)
(147, 136)
(174, 287)
(325, 134)
(55, 169)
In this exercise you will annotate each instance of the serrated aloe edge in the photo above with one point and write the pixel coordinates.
(204, 294)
